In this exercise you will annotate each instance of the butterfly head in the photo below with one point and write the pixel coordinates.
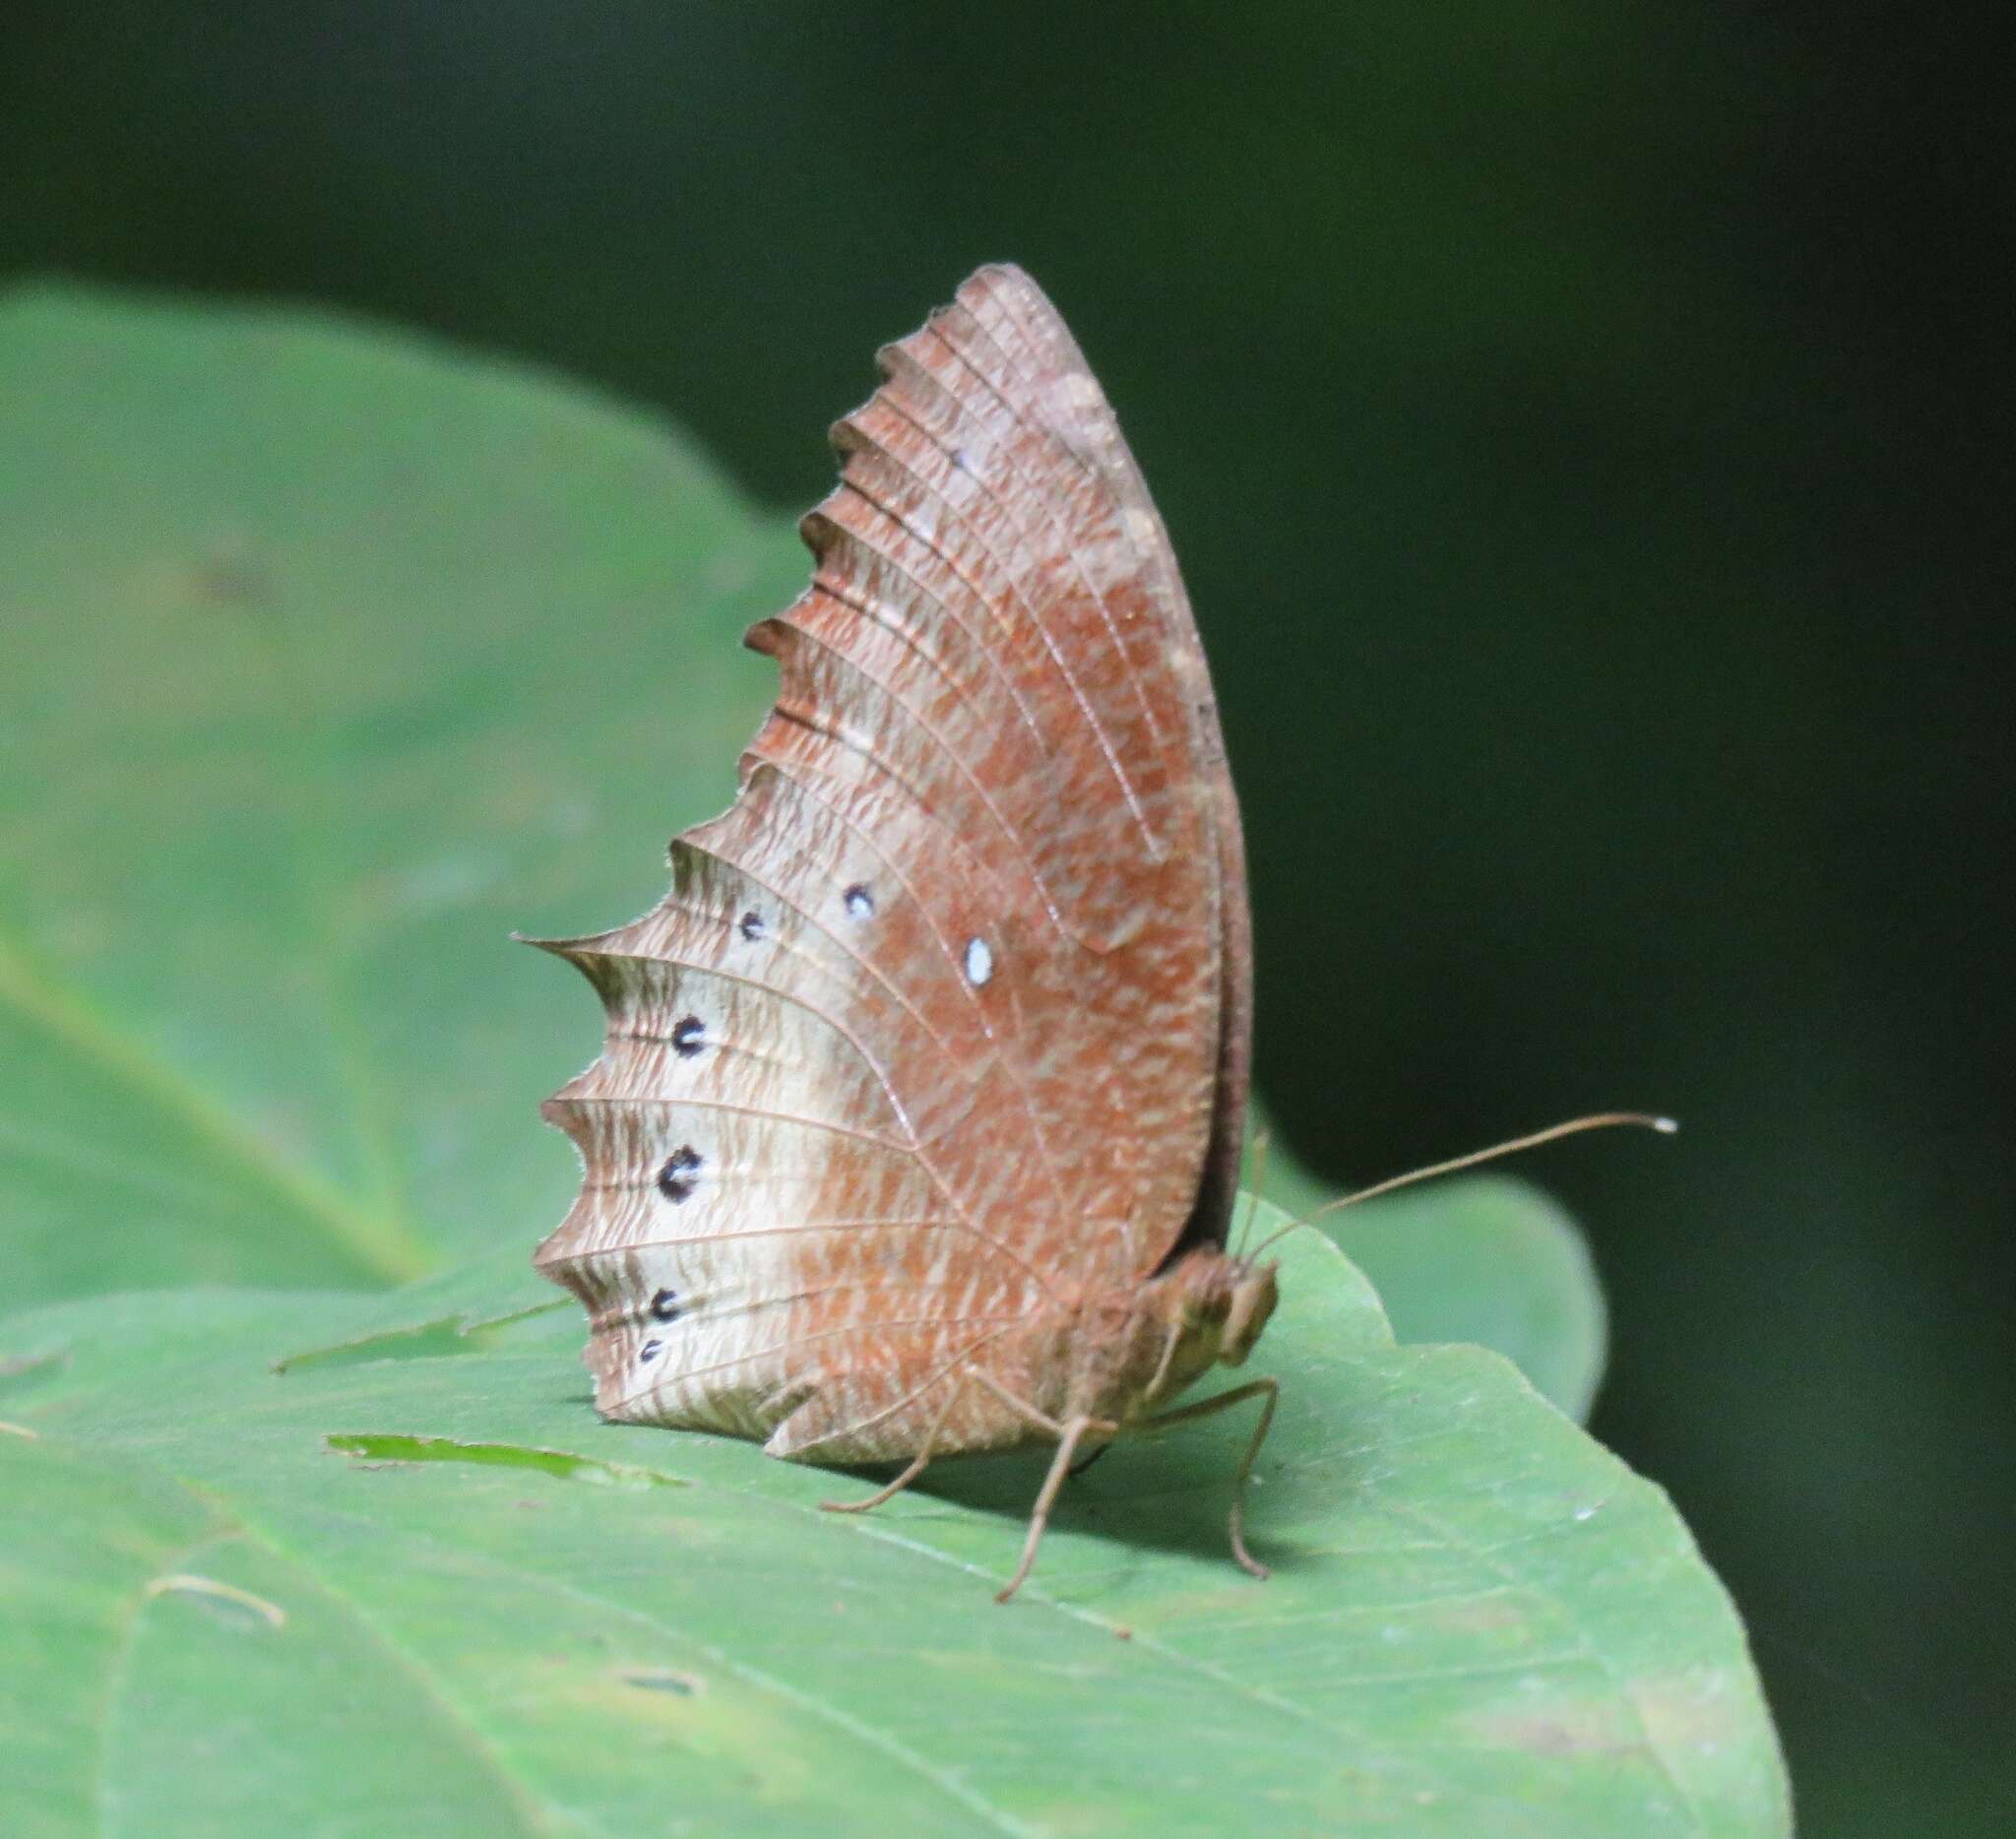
(1253, 1301)
(1225, 1303)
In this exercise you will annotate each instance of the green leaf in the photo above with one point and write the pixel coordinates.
(432, 1593)
(331, 659)
(1487, 1259)
(330, 663)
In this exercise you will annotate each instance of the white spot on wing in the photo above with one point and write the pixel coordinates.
(980, 962)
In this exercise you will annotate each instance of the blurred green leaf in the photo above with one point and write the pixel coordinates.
(331, 658)
(324, 1599)
(1486, 1259)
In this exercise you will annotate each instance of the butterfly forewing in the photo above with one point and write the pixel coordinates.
(944, 1019)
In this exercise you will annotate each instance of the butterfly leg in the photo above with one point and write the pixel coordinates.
(1206, 1408)
(1067, 1447)
(918, 1462)
(1068, 1435)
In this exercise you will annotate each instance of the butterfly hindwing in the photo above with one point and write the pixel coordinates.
(944, 1017)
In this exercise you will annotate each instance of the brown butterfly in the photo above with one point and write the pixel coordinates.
(919, 1119)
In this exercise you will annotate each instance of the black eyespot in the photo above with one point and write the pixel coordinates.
(665, 1305)
(689, 1036)
(675, 1180)
(860, 902)
(959, 458)
(751, 926)
(651, 1350)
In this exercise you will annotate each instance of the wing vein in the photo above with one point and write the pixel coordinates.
(1105, 744)
(825, 1334)
(1095, 475)
(622, 1101)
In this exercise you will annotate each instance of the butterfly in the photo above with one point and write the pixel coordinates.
(918, 1123)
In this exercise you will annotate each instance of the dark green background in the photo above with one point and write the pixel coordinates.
(1577, 424)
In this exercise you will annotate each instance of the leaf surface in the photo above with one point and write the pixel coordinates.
(237, 1584)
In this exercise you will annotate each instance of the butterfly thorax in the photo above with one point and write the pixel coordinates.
(1136, 1349)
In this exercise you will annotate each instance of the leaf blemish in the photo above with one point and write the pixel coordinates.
(31, 1368)
(662, 1680)
(442, 1338)
(386, 1450)
(229, 576)
(1565, 1730)
(240, 1606)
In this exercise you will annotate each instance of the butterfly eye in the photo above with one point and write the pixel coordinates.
(650, 1350)
(665, 1305)
(689, 1037)
(675, 1180)
(860, 902)
(980, 962)
(751, 926)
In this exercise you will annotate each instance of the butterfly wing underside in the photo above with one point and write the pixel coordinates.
(946, 1016)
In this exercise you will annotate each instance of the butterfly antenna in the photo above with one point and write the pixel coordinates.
(1601, 1121)
(1261, 1139)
